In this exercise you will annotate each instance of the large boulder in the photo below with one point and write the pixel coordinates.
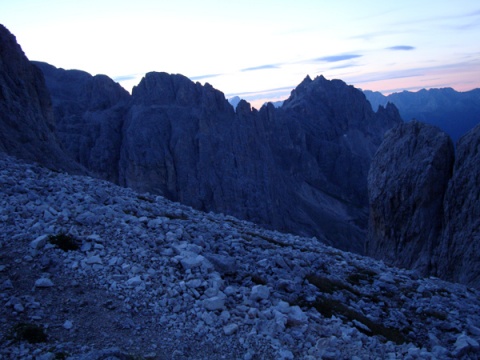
(27, 123)
(407, 181)
(458, 254)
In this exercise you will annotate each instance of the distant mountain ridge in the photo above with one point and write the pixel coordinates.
(454, 112)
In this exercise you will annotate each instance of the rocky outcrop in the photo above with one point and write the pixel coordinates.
(26, 115)
(422, 216)
(300, 168)
(407, 180)
(458, 254)
(89, 112)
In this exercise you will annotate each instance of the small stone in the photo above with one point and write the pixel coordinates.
(285, 354)
(387, 277)
(18, 307)
(283, 307)
(39, 242)
(230, 329)
(86, 247)
(296, 316)
(94, 259)
(260, 292)
(464, 345)
(191, 262)
(43, 283)
(7, 284)
(214, 303)
(68, 324)
(361, 326)
(134, 281)
(46, 356)
(195, 283)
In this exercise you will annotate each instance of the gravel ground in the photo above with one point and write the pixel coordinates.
(90, 270)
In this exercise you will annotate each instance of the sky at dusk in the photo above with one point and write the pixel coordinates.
(259, 50)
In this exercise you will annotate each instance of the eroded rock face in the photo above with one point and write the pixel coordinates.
(301, 168)
(407, 181)
(422, 216)
(26, 115)
(89, 113)
(458, 255)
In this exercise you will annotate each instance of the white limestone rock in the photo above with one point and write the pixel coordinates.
(44, 283)
(259, 292)
(214, 303)
(39, 242)
(230, 329)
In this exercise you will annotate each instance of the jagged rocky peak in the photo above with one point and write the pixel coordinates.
(243, 107)
(26, 116)
(458, 255)
(321, 90)
(160, 88)
(407, 179)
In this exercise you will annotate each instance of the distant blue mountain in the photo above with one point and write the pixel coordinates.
(234, 101)
(454, 112)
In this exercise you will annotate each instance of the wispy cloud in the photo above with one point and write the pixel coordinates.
(280, 90)
(375, 34)
(125, 77)
(401, 48)
(335, 58)
(200, 77)
(261, 67)
(413, 72)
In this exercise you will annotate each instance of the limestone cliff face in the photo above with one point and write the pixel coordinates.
(421, 215)
(407, 181)
(26, 114)
(89, 112)
(301, 168)
(458, 254)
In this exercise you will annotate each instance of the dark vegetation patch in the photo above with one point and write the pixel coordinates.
(362, 276)
(329, 285)
(258, 280)
(28, 332)
(176, 215)
(329, 307)
(64, 241)
(145, 198)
